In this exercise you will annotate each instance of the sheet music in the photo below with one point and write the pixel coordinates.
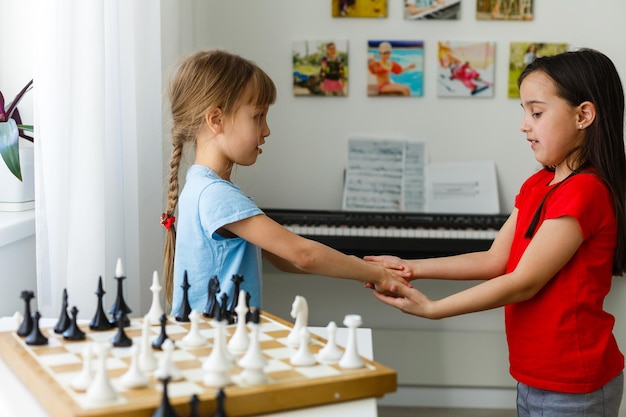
(394, 175)
(384, 174)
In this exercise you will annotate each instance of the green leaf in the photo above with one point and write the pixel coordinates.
(9, 147)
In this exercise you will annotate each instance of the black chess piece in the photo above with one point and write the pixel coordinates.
(255, 316)
(73, 332)
(165, 408)
(27, 323)
(212, 305)
(121, 339)
(223, 313)
(221, 399)
(237, 280)
(120, 304)
(186, 308)
(35, 337)
(158, 342)
(249, 313)
(100, 321)
(64, 319)
(193, 406)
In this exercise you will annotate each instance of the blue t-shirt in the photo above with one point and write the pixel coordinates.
(206, 204)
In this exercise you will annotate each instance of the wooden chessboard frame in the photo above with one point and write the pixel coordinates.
(355, 384)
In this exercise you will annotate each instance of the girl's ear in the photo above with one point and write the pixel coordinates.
(586, 114)
(213, 119)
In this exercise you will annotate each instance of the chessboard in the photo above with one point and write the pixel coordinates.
(48, 370)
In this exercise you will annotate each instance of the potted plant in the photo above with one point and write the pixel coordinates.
(11, 129)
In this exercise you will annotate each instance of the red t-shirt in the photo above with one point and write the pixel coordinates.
(562, 339)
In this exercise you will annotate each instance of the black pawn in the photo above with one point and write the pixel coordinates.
(120, 304)
(73, 332)
(100, 321)
(237, 280)
(35, 337)
(158, 342)
(64, 319)
(193, 406)
(165, 409)
(212, 305)
(255, 316)
(27, 324)
(121, 339)
(223, 311)
(220, 411)
(186, 308)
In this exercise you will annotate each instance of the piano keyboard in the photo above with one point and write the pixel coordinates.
(403, 234)
(393, 232)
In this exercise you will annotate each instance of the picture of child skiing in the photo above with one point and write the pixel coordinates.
(465, 69)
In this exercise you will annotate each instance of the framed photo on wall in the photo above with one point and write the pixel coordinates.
(522, 54)
(395, 68)
(465, 69)
(359, 8)
(504, 10)
(320, 68)
(432, 9)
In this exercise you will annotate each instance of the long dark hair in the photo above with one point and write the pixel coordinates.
(589, 75)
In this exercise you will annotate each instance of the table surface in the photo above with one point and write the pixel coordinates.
(17, 401)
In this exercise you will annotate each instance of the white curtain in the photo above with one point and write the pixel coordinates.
(98, 153)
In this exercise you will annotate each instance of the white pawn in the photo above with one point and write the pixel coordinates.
(239, 341)
(193, 338)
(219, 361)
(134, 377)
(82, 381)
(330, 353)
(156, 311)
(166, 363)
(253, 362)
(351, 358)
(147, 359)
(303, 356)
(100, 388)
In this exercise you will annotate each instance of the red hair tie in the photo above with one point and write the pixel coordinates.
(167, 220)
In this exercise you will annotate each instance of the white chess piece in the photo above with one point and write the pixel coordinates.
(82, 381)
(219, 361)
(100, 388)
(240, 341)
(166, 363)
(303, 356)
(193, 338)
(156, 311)
(300, 312)
(330, 353)
(351, 358)
(119, 269)
(18, 318)
(253, 362)
(147, 358)
(134, 377)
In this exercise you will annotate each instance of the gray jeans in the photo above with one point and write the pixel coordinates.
(605, 402)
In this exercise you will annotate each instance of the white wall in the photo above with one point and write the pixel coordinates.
(303, 160)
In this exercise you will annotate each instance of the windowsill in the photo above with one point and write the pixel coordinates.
(16, 225)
